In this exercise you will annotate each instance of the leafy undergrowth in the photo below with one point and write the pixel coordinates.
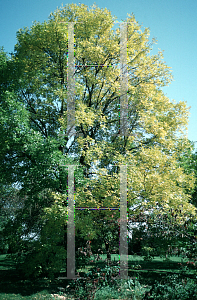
(104, 283)
(14, 286)
(174, 288)
(100, 281)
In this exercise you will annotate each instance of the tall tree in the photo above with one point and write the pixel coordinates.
(156, 126)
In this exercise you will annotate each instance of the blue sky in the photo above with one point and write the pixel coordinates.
(172, 22)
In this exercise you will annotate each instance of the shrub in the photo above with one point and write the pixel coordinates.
(175, 288)
(103, 283)
(85, 287)
(148, 253)
(42, 260)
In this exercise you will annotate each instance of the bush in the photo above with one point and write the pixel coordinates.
(175, 288)
(148, 253)
(107, 292)
(103, 283)
(42, 260)
(83, 257)
(85, 287)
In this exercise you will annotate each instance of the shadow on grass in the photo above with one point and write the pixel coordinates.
(148, 272)
(12, 282)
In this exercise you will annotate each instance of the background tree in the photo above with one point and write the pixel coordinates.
(188, 161)
(36, 165)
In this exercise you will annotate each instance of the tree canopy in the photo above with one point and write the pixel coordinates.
(36, 148)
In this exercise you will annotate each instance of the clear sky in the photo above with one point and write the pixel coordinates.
(172, 22)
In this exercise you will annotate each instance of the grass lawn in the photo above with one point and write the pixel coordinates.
(12, 286)
(155, 269)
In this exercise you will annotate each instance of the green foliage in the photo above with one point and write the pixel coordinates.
(163, 236)
(104, 283)
(36, 147)
(42, 260)
(125, 289)
(175, 288)
(92, 284)
(85, 287)
(193, 164)
(148, 253)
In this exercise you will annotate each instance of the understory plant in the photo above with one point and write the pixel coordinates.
(104, 283)
(86, 286)
(174, 288)
(125, 289)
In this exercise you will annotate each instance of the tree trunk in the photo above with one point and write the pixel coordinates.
(108, 251)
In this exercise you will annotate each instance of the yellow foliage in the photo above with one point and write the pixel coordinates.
(156, 124)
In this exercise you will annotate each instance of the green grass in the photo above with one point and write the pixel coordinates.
(138, 258)
(150, 271)
(13, 286)
(158, 263)
(42, 295)
(5, 263)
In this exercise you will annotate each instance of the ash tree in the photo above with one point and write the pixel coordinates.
(36, 146)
